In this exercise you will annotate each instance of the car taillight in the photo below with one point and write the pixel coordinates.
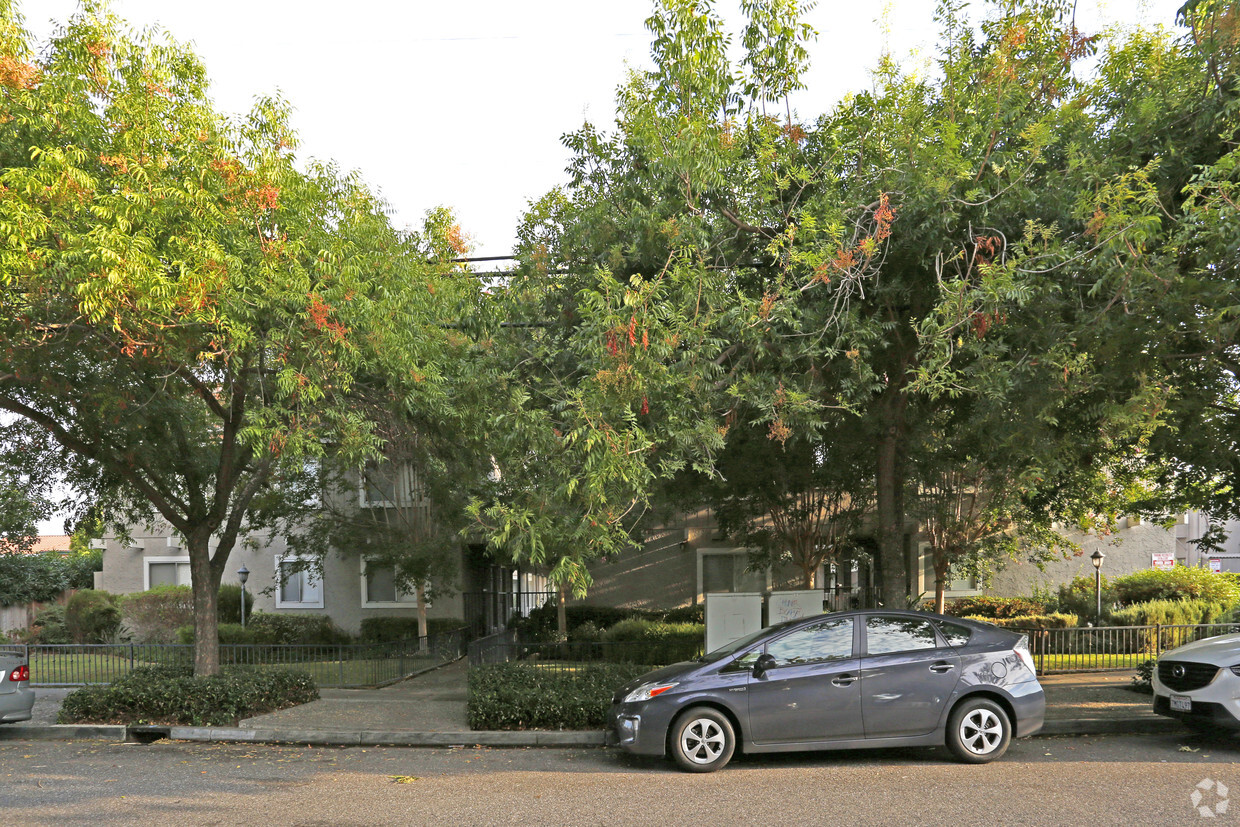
(1022, 652)
(21, 673)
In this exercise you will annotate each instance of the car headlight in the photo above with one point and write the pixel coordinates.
(1235, 670)
(647, 691)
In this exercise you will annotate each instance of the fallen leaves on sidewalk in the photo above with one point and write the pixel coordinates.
(403, 779)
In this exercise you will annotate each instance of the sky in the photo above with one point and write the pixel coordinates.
(463, 104)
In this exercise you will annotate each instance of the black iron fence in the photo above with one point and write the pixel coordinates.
(334, 665)
(1102, 648)
(489, 612)
(574, 655)
(845, 598)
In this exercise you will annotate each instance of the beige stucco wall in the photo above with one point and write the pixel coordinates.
(1129, 549)
(124, 568)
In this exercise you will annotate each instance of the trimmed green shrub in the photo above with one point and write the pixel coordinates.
(393, 629)
(541, 623)
(991, 608)
(155, 615)
(654, 642)
(92, 617)
(1079, 597)
(686, 614)
(1055, 620)
(524, 696)
(228, 603)
(49, 626)
(278, 629)
(1176, 583)
(172, 695)
(1171, 613)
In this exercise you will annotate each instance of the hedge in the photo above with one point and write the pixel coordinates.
(39, 578)
(991, 608)
(1054, 620)
(524, 696)
(1171, 613)
(92, 617)
(653, 641)
(393, 629)
(172, 695)
(279, 629)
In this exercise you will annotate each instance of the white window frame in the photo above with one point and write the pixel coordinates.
(715, 552)
(403, 601)
(407, 488)
(146, 567)
(927, 577)
(281, 603)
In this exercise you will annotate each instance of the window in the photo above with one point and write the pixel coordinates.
(384, 485)
(166, 571)
(379, 587)
(898, 634)
(956, 584)
(299, 588)
(726, 570)
(828, 640)
(957, 634)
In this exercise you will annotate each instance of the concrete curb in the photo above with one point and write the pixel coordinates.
(64, 732)
(525, 738)
(518, 739)
(1110, 726)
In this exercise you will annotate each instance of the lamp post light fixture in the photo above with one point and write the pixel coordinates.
(1096, 558)
(243, 574)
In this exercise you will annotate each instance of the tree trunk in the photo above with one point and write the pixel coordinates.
(423, 633)
(889, 505)
(940, 582)
(205, 583)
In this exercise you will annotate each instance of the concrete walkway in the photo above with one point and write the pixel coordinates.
(429, 710)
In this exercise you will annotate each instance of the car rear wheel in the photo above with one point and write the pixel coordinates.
(978, 731)
(702, 740)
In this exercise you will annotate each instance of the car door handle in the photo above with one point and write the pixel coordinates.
(844, 680)
(941, 667)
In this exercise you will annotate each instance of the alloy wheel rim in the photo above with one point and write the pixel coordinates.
(702, 741)
(981, 731)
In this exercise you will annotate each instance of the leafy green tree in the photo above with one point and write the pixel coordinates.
(183, 311)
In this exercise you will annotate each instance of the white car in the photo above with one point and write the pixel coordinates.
(1199, 683)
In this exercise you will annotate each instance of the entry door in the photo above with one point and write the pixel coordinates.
(813, 693)
(907, 675)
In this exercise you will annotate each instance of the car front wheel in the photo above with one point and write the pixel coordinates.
(702, 740)
(978, 731)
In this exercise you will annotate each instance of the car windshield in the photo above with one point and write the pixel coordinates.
(744, 643)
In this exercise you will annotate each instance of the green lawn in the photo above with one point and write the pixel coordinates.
(101, 667)
(1088, 662)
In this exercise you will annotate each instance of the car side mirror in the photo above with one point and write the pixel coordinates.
(764, 662)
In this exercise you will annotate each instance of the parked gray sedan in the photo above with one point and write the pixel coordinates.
(16, 696)
(836, 681)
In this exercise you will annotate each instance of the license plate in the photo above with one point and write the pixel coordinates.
(1181, 703)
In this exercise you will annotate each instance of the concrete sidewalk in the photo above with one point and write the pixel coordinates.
(429, 711)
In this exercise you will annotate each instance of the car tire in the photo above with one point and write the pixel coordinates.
(702, 740)
(978, 731)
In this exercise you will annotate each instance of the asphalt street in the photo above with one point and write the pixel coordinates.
(1122, 780)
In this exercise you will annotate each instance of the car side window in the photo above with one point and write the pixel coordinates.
(886, 634)
(957, 634)
(826, 640)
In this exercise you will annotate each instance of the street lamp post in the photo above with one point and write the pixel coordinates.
(243, 574)
(1096, 558)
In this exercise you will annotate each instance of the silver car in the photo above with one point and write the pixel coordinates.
(16, 696)
(836, 681)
